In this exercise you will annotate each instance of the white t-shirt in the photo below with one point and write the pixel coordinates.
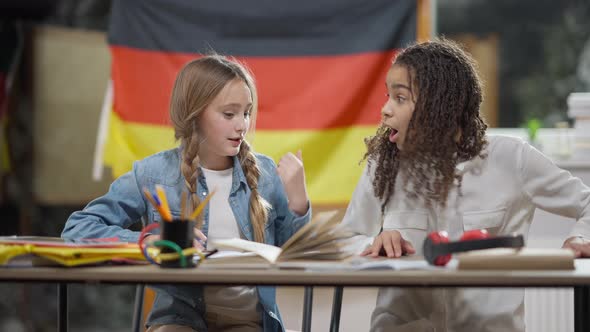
(237, 302)
(222, 222)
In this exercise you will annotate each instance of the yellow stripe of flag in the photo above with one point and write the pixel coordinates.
(331, 156)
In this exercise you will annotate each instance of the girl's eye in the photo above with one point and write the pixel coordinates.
(247, 114)
(400, 99)
(228, 115)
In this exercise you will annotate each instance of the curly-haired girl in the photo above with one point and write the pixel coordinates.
(431, 167)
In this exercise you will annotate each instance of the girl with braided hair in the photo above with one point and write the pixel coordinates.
(213, 105)
(431, 167)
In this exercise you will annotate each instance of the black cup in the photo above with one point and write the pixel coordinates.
(180, 232)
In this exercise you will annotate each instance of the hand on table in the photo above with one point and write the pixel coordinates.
(579, 245)
(390, 244)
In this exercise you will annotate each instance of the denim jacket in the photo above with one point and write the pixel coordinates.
(124, 204)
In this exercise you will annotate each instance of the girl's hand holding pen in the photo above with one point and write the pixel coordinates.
(292, 174)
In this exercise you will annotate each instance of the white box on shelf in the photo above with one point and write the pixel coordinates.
(579, 109)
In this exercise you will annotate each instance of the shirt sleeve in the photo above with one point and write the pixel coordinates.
(111, 214)
(555, 190)
(363, 215)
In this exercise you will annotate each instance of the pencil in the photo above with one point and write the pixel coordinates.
(164, 208)
(209, 253)
(150, 198)
(155, 203)
(201, 206)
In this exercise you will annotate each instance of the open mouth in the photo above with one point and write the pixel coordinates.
(392, 135)
(235, 141)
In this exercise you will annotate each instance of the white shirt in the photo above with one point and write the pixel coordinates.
(238, 303)
(499, 193)
(222, 224)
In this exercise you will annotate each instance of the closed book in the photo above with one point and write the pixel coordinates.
(517, 259)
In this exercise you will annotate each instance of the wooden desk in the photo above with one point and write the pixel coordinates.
(579, 279)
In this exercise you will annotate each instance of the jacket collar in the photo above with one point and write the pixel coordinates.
(238, 176)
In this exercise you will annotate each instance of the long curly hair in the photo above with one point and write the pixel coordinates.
(196, 85)
(445, 128)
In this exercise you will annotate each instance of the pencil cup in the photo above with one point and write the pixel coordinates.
(181, 232)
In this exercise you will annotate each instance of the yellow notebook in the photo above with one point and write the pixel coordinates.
(33, 251)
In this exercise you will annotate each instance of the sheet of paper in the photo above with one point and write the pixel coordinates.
(364, 263)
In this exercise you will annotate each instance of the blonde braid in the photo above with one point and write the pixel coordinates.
(258, 205)
(190, 170)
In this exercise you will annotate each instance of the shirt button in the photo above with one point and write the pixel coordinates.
(204, 193)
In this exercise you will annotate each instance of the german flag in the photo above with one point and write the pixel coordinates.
(319, 66)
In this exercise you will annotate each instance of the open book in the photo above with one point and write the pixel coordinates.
(321, 239)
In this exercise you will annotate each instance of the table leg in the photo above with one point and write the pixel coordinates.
(582, 308)
(138, 309)
(307, 306)
(336, 306)
(62, 307)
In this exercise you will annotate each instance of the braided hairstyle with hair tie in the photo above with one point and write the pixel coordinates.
(190, 171)
(258, 205)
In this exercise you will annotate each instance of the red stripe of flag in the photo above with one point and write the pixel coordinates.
(307, 92)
